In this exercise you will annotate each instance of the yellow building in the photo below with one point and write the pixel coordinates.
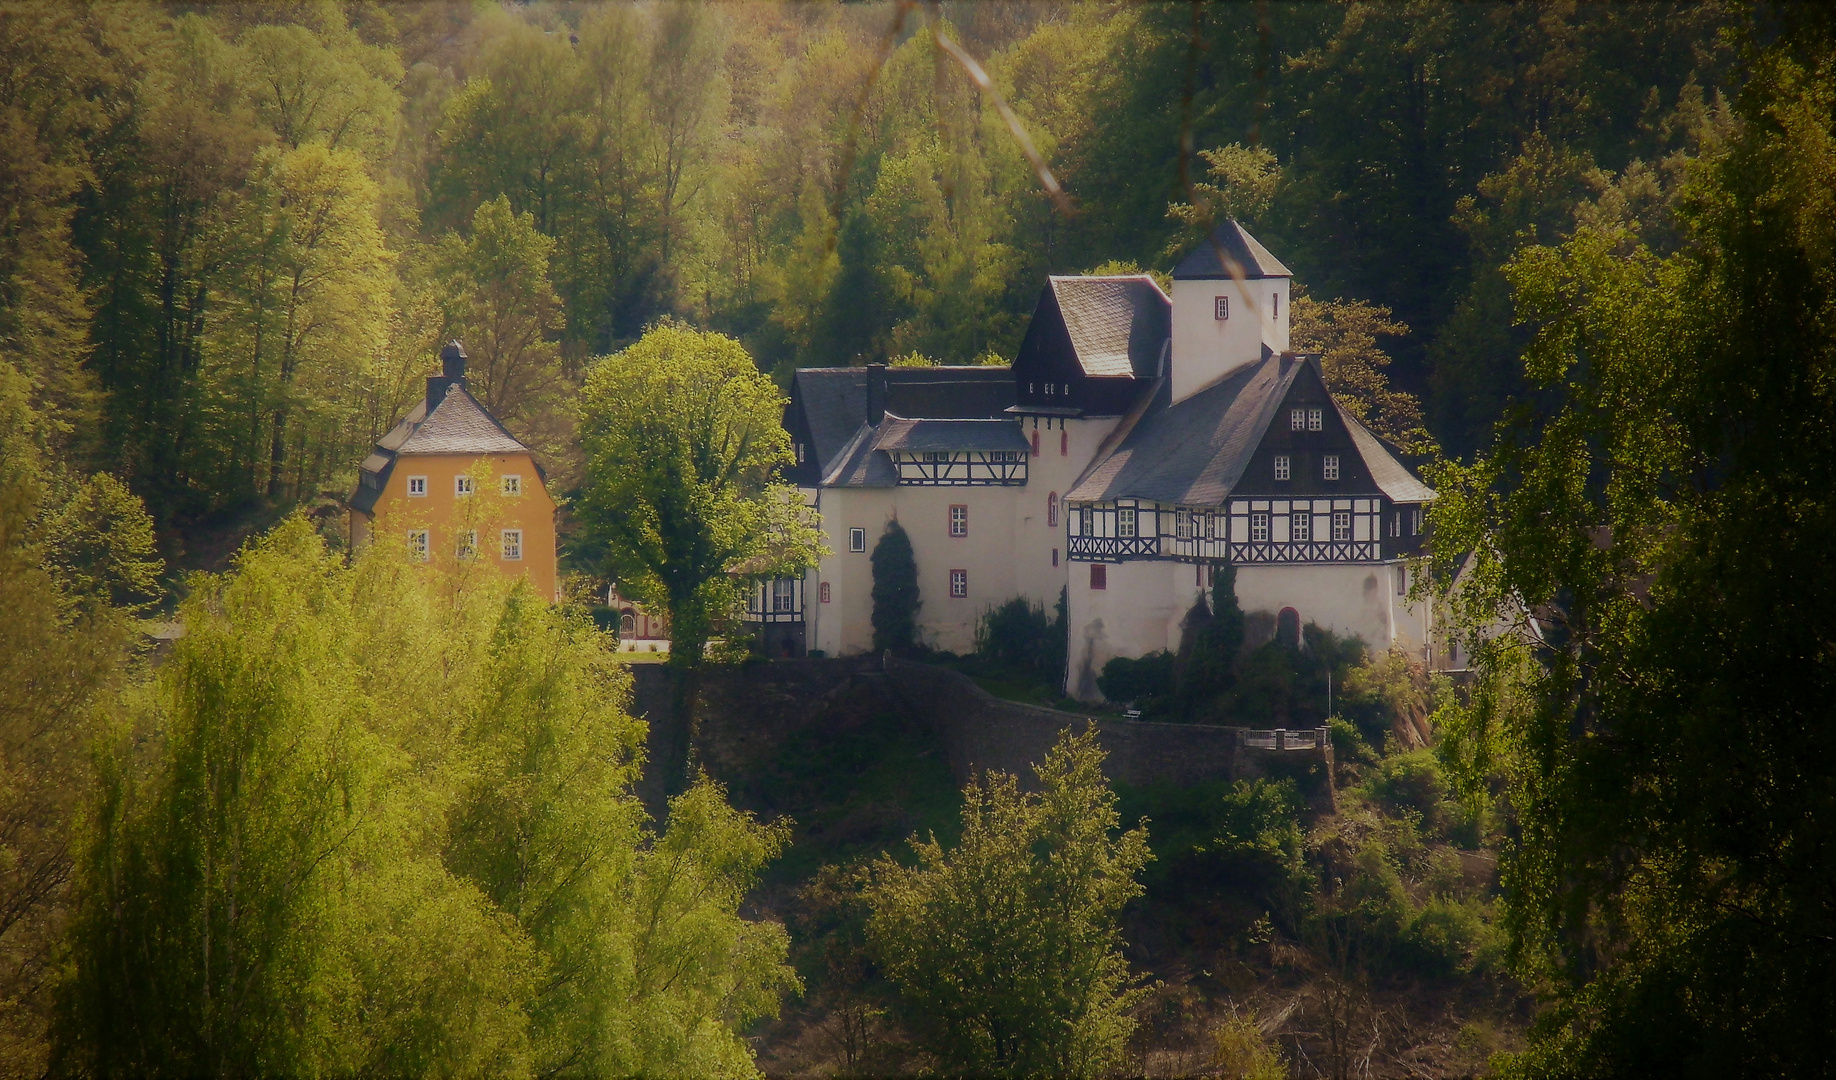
(454, 484)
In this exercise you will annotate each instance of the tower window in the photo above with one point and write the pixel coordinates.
(1275, 305)
(1281, 466)
(1221, 308)
(1054, 556)
(857, 540)
(1064, 444)
(959, 583)
(1035, 442)
(1052, 510)
(959, 520)
(822, 592)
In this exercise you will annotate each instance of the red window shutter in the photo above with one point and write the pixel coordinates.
(1099, 576)
(1035, 442)
(1064, 444)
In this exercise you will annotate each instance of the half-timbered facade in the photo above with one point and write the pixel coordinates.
(1138, 441)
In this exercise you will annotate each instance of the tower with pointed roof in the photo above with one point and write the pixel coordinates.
(453, 484)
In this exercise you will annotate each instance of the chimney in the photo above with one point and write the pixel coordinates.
(876, 393)
(452, 373)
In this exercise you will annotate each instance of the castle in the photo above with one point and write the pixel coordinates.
(1137, 441)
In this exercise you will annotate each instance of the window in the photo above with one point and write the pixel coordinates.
(1052, 510)
(1396, 523)
(1211, 526)
(1341, 524)
(783, 591)
(1221, 308)
(1300, 526)
(468, 544)
(1415, 521)
(1316, 419)
(1031, 388)
(1281, 466)
(1099, 576)
(959, 583)
(857, 540)
(1402, 581)
(1297, 420)
(512, 544)
(1064, 444)
(627, 626)
(799, 447)
(1054, 556)
(1331, 469)
(1259, 526)
(1084, 520)
(1049, 388)
(822, 592)
(417, 487)
(1125, 521)
(1182, 524)
(1275, 305)
(959, 520)
(1035, 442)
(462, 486)
(417, 545)
(512, 485)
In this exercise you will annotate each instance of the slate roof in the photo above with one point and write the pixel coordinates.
(900, 433)
(1235, 244)
(1195, 452)
(1117, 324)
(834, 404)
(459, 425)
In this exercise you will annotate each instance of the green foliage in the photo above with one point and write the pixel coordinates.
(895, 591)
(1145, 681)
(1238, 835)
(1242, 186)
(1005, 948)
(1664, 503)
(362, 820)
(1210, 648)
(1019, 636)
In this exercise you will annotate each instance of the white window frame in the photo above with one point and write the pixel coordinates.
(1329, 467)
(959, 520)
(1182, 524)
(511, 484)
(462, 485)
(1283, 466)
(1297, 419)
(783, 595)
(417, 487)
(1316, 419)
(1220, 308)
(857, 540)
(468, 544)
(1341, 525)
(1125, 522)
(510, 542)
(959, 584)
(420, 544)
(1300, 526)
(1052, 510)
(1259, 526)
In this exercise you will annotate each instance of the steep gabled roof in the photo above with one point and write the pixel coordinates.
(1117, 324)
(460, 425)
(1193, 453)
(1241, 255)
(834, 405)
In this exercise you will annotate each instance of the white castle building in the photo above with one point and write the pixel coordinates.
(1137, 441)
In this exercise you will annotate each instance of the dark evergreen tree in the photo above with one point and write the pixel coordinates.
(1208, 655)
(895, 591)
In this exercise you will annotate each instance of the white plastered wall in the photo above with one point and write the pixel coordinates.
(1144, 602)
(1206, 348)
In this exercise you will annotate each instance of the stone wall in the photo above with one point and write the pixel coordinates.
(749, 710)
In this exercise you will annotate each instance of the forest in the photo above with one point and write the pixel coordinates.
(269, 805)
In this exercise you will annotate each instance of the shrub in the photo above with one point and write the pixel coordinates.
(1145, 682)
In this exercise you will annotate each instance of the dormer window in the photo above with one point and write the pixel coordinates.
(1316, 419)
(1281, 466)
(1221, 308)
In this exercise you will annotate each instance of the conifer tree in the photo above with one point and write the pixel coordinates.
(895, 591)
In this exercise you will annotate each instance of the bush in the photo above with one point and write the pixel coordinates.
(1019, 635)
(1414, 783)
(1145, 682)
